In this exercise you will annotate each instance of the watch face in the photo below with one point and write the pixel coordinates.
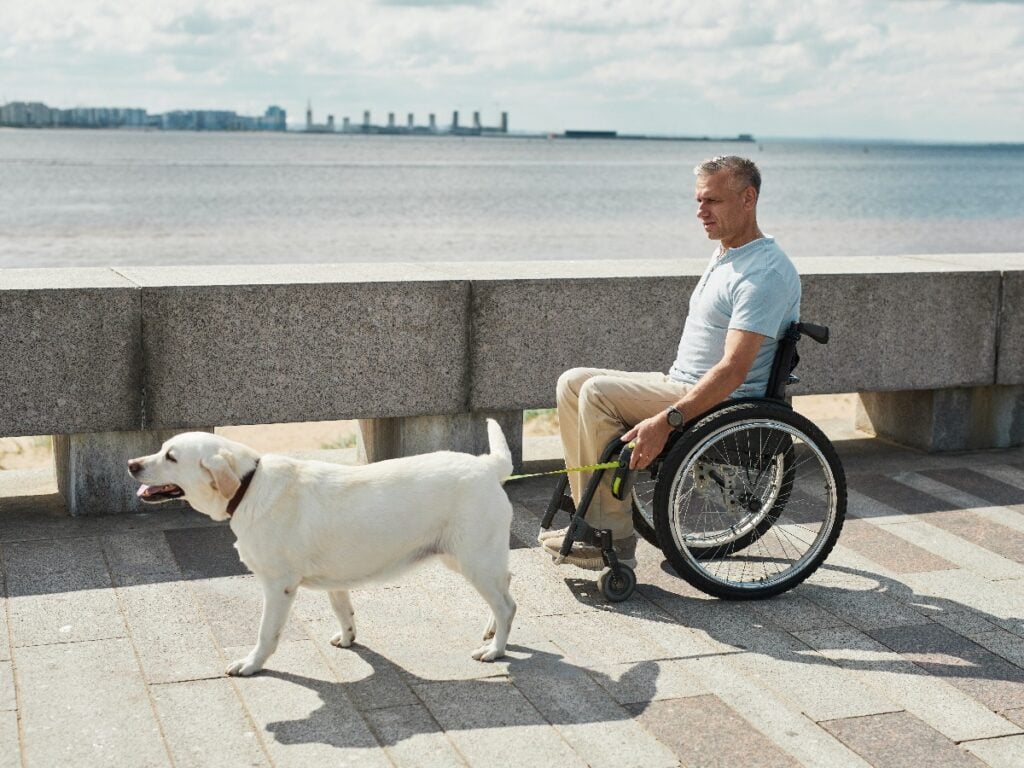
(675, 418)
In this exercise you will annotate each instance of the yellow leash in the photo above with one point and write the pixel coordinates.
(622, 481)
(623, 457)
(587, 468)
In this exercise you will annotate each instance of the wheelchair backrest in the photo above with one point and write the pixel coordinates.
(786, 357)
(785, 361)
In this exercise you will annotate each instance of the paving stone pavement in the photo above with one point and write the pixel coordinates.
(905, 649)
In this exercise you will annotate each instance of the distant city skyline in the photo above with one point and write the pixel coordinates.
(867, 69)
(37, 114)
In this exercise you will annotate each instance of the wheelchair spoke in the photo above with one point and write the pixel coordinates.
(754, 506)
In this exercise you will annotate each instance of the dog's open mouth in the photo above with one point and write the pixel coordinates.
(154, 494)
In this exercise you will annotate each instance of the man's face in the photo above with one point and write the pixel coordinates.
(724, 211)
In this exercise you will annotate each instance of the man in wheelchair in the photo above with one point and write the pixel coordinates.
(742, 305)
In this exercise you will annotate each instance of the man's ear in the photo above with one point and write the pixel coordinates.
(222, 472)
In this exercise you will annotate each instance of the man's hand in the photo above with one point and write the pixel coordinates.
(650, 436)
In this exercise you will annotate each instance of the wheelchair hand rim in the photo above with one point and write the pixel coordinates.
(820, 537)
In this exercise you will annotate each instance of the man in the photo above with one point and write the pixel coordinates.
(744, 301)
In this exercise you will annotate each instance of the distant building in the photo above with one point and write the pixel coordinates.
(274, 119)
(20, 114)
(37, 115)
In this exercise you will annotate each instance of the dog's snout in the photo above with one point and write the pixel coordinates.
(134, 465)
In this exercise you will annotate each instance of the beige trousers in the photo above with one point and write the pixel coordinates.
(594, 406)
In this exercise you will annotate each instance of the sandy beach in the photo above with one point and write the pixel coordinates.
(833, 413)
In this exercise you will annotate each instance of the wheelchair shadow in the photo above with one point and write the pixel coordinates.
(848, 625)
(458, 704)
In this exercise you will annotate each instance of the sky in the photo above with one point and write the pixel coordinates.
(865, 69)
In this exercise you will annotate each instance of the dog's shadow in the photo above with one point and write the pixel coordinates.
(458, 704)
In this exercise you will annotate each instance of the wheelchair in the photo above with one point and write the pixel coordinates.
(745, 501)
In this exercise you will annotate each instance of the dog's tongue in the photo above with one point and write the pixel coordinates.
(149, 490)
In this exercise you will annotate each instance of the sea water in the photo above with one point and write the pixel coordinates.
(81, 198)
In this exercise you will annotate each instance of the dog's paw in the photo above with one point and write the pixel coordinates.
(243, 668)
(343, 639)
(488, 653)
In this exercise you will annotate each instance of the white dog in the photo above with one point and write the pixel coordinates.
(332, 527)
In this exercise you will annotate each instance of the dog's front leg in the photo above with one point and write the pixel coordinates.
(342, 606)
(277, 602)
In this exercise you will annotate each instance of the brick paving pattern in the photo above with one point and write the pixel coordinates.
(905, 649)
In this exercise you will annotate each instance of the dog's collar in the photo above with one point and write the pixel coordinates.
(242, 488)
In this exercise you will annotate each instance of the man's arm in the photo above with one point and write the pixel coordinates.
(714, 386)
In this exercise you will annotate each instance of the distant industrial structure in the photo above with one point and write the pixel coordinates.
(20, 114)
(410, 127)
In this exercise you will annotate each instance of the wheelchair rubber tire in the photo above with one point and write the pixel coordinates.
(642, 498)
(706, 567)
(617, 588)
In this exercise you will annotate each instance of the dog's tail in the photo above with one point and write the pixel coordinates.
(500, 455)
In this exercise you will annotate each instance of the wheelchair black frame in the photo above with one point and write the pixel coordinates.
(785, 360)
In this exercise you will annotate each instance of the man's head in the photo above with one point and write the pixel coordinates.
(727, 192)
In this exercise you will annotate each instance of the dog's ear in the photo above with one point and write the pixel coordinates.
(222, 471)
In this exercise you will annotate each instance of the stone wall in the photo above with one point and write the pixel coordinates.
(141, 350)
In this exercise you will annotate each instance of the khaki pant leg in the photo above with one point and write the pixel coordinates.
(605, 404)
(567, 396)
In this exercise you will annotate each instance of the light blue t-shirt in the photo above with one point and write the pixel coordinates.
(752, 288)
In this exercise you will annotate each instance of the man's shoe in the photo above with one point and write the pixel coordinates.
(590, 557)
(547, 533)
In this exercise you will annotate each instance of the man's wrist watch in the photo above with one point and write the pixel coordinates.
(674, 417)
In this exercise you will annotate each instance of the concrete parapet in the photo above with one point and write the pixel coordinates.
(70, 352)
(899, 330)
(552, 325)
(392, 438)
(1010, 367)
(420, 352)
(954, 419)
(322, 344)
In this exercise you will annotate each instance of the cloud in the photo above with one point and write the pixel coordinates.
(199, 23)
(726, 66)
(434, 3)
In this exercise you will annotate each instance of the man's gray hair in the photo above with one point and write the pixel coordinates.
(742, 169)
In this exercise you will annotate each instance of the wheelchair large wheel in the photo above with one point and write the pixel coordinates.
(643, 508)
(750, 501)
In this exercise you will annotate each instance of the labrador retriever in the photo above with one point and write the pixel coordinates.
(333, 527)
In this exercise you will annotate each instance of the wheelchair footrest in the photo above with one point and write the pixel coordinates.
(581, 531)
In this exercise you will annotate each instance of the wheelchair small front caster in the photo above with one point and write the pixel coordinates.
(617, 587)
